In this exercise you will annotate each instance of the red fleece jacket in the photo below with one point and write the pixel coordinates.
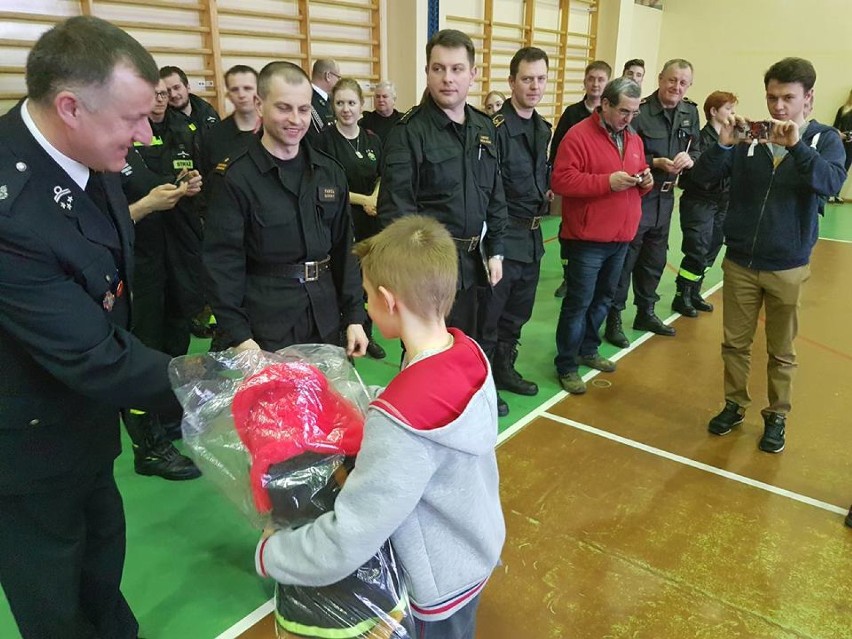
(585, 159)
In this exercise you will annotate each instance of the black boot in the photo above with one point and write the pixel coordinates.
(505, 376)
(502, 406)
(561, 290)
(698, 302)
(614, 332)
(154, 454)
(682, 302)
(647, 320)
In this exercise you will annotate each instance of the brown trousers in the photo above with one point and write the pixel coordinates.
(745, 291)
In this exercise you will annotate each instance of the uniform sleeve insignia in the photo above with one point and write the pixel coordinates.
(408, 114)
(222, 166)
(498, 119)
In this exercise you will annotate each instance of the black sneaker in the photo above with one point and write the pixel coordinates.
(773, 433)
(164, 460)
(562, 290)
(650, 322)
(731, 416)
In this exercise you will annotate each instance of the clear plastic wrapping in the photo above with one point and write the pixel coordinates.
(278, 434)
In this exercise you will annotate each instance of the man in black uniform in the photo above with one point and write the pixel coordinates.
(441, 160)
(197, 110)
(595, 79)
(167, 253)
(669, 127)
(278, 239)
(68, 358)
(522, 138)
(324, 75)
(233, 134)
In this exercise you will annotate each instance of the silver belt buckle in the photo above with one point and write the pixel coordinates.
(666, 186)
(311, 271)
(536, 222)
(474, 242)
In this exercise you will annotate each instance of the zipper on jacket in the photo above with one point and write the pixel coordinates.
(760, 217)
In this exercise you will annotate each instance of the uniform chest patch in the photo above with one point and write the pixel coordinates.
(328, 194)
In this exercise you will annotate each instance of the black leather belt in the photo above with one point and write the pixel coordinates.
(470, 243)
(531, 223)
(306, 272)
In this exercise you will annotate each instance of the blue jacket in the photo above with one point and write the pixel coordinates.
(771, 224)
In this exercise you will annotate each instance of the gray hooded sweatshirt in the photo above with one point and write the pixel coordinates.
(426, 477)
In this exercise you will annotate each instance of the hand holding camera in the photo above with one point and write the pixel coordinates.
(739, 129)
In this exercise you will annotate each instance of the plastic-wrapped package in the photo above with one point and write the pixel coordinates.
(278, 434)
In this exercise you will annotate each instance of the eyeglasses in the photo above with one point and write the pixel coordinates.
(335, 74)
(161, 95)
(627, 113)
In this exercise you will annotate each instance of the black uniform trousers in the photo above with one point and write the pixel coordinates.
(701, 221)
(466, 311)
(67, 582)
(158, 298)
(509, 305)
(646, 254)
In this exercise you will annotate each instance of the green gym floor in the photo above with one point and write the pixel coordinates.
(625, 519)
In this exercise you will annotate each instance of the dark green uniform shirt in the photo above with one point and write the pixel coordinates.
(522, 146)
(436, 167)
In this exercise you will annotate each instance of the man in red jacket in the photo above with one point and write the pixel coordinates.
(601, 174)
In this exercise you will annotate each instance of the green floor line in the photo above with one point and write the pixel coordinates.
(190, 570)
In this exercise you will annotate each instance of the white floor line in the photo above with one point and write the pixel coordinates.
(252, 618)
(248, 621)
(686, 461)
(831, 239)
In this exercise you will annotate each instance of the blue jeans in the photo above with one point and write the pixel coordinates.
(460, 625)
(591, 274)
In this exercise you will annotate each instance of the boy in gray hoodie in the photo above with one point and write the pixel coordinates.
(426, 475)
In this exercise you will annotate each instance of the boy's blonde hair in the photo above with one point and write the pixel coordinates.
(415, 258)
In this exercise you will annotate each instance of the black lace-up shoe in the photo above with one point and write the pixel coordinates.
(731, 416)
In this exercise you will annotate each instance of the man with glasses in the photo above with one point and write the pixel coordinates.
(324, 76)
(167, 250)
(601, 174)
(668, 125)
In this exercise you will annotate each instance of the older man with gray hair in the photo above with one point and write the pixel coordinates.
(385, 116)
(601, 173)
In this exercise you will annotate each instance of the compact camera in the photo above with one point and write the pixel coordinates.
(754, 130)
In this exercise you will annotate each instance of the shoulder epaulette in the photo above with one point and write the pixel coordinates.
(13, 175)
(688, 101)
(479, 111)
(644, 100)
(407, 115)
(222, 167)
(498, 119)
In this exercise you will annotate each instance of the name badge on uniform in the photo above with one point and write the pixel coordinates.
(686, 123)
(328, 194)
(485, 139)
